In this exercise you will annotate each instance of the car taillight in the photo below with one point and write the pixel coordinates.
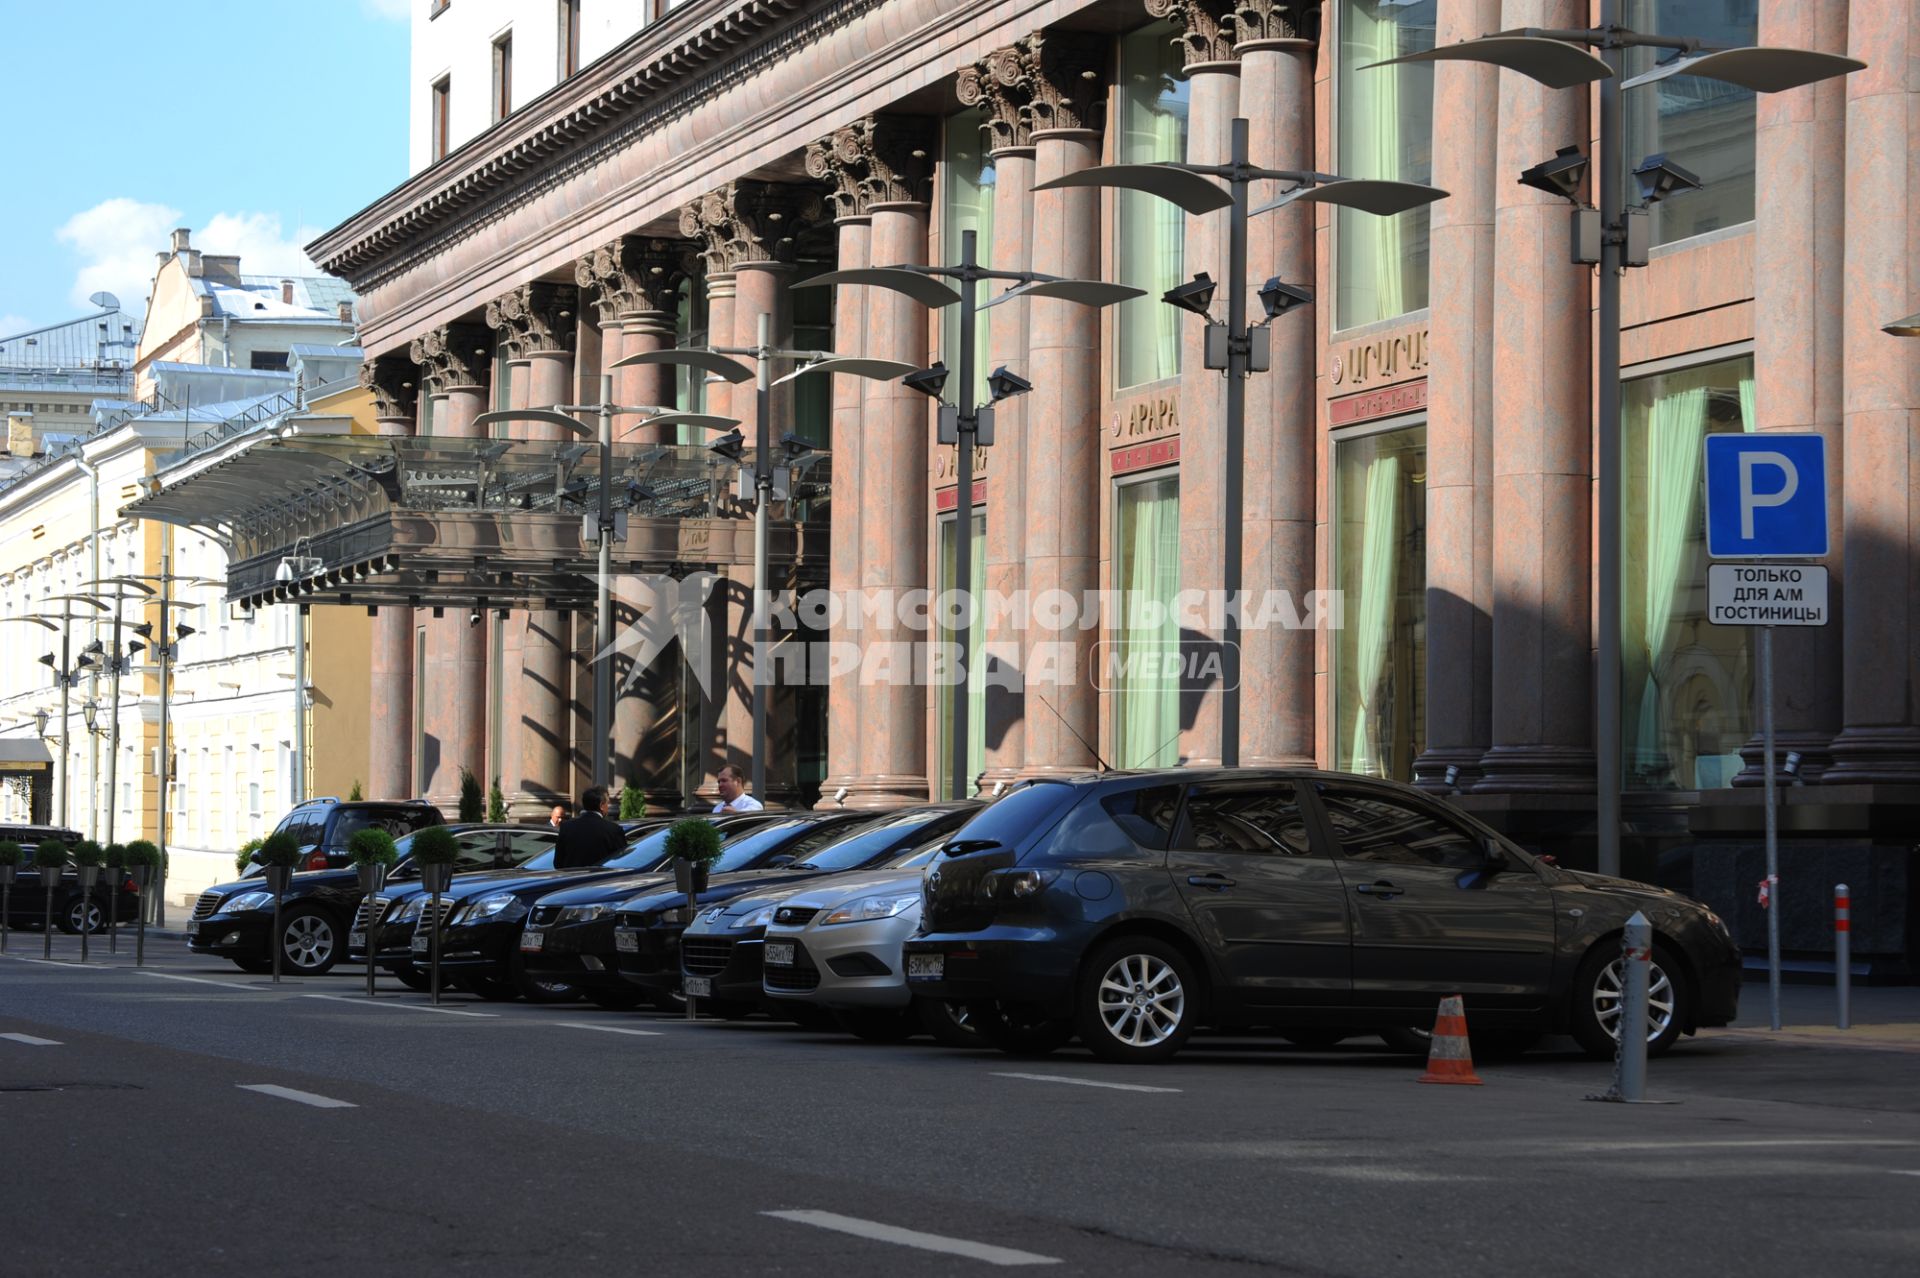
(318, 861)
(129, 885)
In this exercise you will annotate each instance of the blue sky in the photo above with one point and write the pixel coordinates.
(258, 123)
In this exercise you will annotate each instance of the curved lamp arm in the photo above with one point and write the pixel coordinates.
(709, 361)
(923, 289)
(546, 415)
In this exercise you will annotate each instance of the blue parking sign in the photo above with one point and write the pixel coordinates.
(1766, 496)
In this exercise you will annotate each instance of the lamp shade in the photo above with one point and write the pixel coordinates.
(546, 415)
(707, 361)
(879, 370)
(1769, 69)
(1369, 195)
(923, 289)
(1085, 292)
(1191, 191)
(1554, 63)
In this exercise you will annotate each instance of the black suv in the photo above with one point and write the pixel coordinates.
(71, 909)
(1128, 908)
(324, 827)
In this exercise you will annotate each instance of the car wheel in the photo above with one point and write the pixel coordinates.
(539, 989)
(1136, 1002)
(1597, 993)
(951, 1024)
(1019, 1030)
(309, 943)
(624, 998)
(412, 977)
(873, 1025)
(82, 911)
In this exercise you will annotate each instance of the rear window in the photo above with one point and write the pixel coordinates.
(871, 842)
(1021, 816)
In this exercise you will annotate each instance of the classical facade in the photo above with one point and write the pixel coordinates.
(1423, 443)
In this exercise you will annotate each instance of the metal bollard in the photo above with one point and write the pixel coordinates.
(1636, 954)
(1843, 954)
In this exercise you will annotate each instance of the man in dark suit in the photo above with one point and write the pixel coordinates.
(588, 839)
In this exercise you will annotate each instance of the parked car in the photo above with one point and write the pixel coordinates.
(835, 944)
(234, 921)
(323, 828)
(72, 910)
(723, 963)
(481, 918)
(1129, 908)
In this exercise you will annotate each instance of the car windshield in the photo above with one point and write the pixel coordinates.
(918, 857)
(741, 854)
(353, 820)
(870, 842)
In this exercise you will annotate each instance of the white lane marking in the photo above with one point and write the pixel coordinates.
(31, 1041)
(51, 962)
(304, 1098)
(1600, 1147)
(609, 1029)
(200, 980)
(1896, 1171)
(1085, 1082)
(912, 1238)
(407, 1007)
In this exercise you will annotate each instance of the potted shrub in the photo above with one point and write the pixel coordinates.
(88, 857)
(496, 802)
(633, 804)
(473, 804)
(50, 858)
(279, 854)
(373, 854)
(243, 859)
(143, 858)
(694, 845)
(116, 858)
(435, 851)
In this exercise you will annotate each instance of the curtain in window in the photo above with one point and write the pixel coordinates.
(1373, 618)
(1151, 234)
(976, 670)
(968, 184)
(1676, 435)
(1373, 149)
(1148, 553)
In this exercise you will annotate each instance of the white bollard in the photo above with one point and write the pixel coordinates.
(1843, 953)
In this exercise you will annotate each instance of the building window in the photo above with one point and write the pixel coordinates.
(503, 77)
(1704, 126)
(967, 187)
(442, 94)
(1150, 232)
(1686, 687)
(419, 710)
(1380, 567)
(569, 42)
(274, 361)
(1146, 572)
(976, 700)
(1384, 129)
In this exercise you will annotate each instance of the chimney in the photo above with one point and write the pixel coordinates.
(346, 312)
(206, 308)
(194, 269)
(286, 292)
(222, 267)
(180, 234)
(162, 258)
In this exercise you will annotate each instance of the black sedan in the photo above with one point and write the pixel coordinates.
(234, 921)
(1129, 908)
(72, 908)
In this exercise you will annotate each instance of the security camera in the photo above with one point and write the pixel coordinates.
(840, 796)
(473, 617)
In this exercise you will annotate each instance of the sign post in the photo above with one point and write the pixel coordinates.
(1767, 500)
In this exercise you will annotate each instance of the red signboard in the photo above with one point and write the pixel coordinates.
(1160, 452)
(948, 498)
(1390, 401)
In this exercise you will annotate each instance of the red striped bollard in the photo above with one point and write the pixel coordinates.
(1843, 953)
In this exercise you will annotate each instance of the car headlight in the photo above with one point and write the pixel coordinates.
(247, 901)
(873, 907)
(499, 905)
(410, 910)
(584, 913)
(759, 918)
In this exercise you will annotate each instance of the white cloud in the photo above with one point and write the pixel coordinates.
(389, 10)
(256, 239)
(11, 324)
(115, 241)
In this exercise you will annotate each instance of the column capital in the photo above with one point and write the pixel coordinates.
(1203, 29)
(1001, 85)
(537, 316)
(453, 356)
(838, 160)
(394, 382)
(636, 273)
(751, 221)
(1067, 73)
(1260, 21)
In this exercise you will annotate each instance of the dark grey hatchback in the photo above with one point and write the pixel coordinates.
(1129, 908)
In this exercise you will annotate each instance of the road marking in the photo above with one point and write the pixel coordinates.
(1896, 1171)
(405, 1007)
(50, 962)
(1085, 1082)
(31, 1041)
(912, 1238)
(609, 1029)
(200, 980)
(1636, 1145)
(304, 1098)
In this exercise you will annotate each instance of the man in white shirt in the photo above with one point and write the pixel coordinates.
(733, 792)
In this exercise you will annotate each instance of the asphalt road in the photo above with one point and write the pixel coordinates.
(191, 1119)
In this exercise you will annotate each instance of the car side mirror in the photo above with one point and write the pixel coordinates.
(1496, 860)
(779, 862)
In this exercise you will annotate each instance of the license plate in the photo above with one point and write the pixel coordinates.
(780, 953)
(699, 987)
(926, 967)
(626, 941)
(532, 941)
(356, 940)
(421, 943)
(193, 927)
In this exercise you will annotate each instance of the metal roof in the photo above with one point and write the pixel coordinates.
(73, 344)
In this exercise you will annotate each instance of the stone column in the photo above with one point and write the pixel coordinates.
(1063, 476)
(1000, 85)
(1460, 407)
(1881, 739)
(395, 384)
(838, 161)
(1542, 450)
(1275, 41)
(894, 494)
(457, 358)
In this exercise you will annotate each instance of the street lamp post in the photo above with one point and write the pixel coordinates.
(1564, 59)
(1234, 347)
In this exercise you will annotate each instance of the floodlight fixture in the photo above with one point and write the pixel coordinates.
(1279, 297)
(144, 629)
(1196, 295)
(46, 659)
(95, 646)
(928, 381)
(1660, 177)
(1908, 327)
(732, 446)
(182, 630)
(1005, 384)
(1560, 176)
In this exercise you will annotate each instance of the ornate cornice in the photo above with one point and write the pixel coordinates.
(750, 221)
(537, 316)
(1068, 74)
(1203, 29)
(394, 383)
(451, 356)
(1001, 85)
(1255, 20)
(635, 274)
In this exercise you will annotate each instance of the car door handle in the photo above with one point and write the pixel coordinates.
(1382, 889)
(1209, 880)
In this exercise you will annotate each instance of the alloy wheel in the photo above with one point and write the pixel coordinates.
(87, 918)
(309, 941)
(1608, 995)
(1142, 1002)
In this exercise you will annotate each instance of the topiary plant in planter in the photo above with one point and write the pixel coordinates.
(373, 854)
(435, 851)
(243, 859)
(496, 802)
(280, 853)
(50, 858)
(694, 845)
(143, 858)
(473, 804)
(116, 854)
(87, 857)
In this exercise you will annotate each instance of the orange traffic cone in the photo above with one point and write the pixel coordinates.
(1450, 1060)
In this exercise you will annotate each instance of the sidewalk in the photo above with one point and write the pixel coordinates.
(1885, 1017)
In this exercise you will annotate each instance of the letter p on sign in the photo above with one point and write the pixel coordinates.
(1766, 496)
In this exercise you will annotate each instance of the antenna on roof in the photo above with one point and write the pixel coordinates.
(105, 301)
